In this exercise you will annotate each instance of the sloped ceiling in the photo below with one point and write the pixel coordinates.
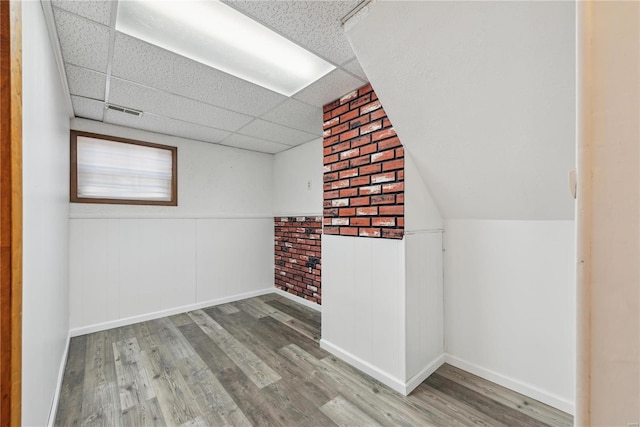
(482, 94)
(184, 98)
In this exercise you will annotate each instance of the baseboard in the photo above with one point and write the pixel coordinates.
(163, 313)
(418, 378)
(312, 305)
(513, 384)
(384, 377)
(56, 396)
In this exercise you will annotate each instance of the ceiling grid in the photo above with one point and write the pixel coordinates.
(184, 98)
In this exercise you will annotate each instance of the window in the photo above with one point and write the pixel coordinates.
(105, 169)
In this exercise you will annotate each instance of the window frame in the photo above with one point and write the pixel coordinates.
(73, 181)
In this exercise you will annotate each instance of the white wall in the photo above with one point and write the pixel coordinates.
(485, 103)
(420, 210)
(212, 179)
(424, 303)
(294, 171)
(424, 299)
(510, 304)
(363, 304)
(45, 315)
(129, 261)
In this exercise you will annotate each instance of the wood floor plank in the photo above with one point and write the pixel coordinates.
(531, 407)
(297, 311)
(251, 333)
(260, 309)
(101, 402)
(451, 412)
(228, 308)
(145, 413)
(177, 403)
(266, 328)
(72, 386)
(258, 362)
(220, 408)
(483, 404)
(370, 400)
(296, 408)
(180, 319)
(257, 370)
(252, 402)
(346, 414)
(252, 308)
(133, 381)
(216, 359)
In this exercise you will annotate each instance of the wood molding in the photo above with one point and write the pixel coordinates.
(73, 162)
(10, 212)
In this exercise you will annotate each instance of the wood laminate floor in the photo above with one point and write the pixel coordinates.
(257, 362)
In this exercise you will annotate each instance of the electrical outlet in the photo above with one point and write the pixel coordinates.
(309, 185)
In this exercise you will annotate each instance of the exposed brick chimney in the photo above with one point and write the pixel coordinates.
(363, 169)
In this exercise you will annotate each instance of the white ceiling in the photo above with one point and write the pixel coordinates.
(184, 98)
(482, 97)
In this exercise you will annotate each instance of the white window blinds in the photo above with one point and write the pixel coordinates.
(117, 170)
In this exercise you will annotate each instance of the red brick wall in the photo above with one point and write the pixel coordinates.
(297, 256)
(363, 169)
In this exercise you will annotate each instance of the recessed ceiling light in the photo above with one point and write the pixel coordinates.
(217, 35)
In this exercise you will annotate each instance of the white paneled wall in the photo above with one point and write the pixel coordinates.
(128, 268)
(363, 304)
(234, 256)
(133, 262)
(424, 302)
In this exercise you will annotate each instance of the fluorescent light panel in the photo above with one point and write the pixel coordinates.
(217, 35)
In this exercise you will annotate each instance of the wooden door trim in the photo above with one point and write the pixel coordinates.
(10, 212)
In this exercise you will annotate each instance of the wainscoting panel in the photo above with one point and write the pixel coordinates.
(128, 267)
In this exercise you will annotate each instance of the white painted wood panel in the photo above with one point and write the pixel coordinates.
(387, 306)
(156, 265)
(234, 256)
(95, 286)
(123, 268)
(424, 301)
(362, 310)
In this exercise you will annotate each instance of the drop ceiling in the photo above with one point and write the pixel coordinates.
(184, 98)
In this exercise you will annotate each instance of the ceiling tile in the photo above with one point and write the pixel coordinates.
(163, 125)
(355, 68)
(276, 133)
(152, 66)
(329, 88)
(143, 98)
(255, 144)
(87, 108)
(86, 83)
(298, 115)
(314, 25)
(82, 42)
(143, 63)
(96, 10)
(198, 81)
